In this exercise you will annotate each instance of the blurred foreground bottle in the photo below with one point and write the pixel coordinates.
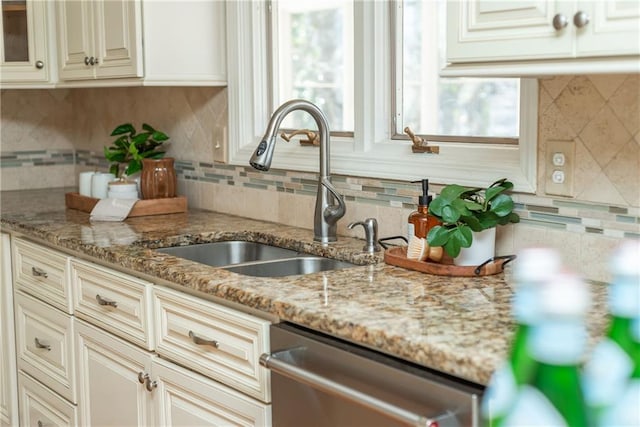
(612, 374)
(557, 342)
(532, 268)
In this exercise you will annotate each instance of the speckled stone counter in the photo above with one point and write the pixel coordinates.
(460, 326)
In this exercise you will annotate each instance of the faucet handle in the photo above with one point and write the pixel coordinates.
(312, 137)
(333, 213)
(370, 233)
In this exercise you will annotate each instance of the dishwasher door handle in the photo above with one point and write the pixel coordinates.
(275, 363)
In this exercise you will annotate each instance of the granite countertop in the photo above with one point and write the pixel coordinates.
(460, 326)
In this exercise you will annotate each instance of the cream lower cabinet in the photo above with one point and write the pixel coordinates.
(89, 355)
(8, 390)
(123, 385)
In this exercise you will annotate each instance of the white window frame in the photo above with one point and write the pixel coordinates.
(371, 152)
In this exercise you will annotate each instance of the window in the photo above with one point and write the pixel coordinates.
(431, 105)
(314, 54)
(382, 100)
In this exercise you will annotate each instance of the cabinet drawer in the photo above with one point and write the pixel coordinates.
(42, 272)
(184, 398)
(44, 344)
(113, 301)
(39, 406)
(213, 340)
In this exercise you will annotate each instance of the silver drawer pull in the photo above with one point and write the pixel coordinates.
(150, 385)
(105, 301)
(40, 345)
(202, 341)
(142, 377)
(38, 272)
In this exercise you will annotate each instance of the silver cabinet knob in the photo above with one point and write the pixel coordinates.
(86, 60)
(560, 21)
(580, 19)
(39, 65)
(93, 61)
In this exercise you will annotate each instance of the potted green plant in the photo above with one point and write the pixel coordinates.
(465, 210)
(130, 147)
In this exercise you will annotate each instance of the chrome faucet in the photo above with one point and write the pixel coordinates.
(327, 212)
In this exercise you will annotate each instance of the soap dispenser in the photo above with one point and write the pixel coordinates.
(420, 221)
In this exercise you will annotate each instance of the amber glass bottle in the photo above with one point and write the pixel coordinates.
(420, 221)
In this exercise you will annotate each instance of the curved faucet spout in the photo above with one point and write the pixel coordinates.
(327, 213)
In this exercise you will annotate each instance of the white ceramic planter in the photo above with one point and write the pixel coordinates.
(482, 248)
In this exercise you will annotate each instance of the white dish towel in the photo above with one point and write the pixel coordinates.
(112, 209)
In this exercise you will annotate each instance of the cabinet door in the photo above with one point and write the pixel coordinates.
(118, 38)
(613, 28)
(75, 39)
(185, 398)
(484, 30)
(8, 388)
(24, 46)
(108, 370)
(185, 60)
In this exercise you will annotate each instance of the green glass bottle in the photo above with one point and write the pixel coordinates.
(615, 361)
(532, 268)
(554, 396)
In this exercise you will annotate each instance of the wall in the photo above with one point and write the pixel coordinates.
(63, 131)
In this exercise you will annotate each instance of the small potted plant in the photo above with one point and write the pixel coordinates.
(468, 211)
(130, 148)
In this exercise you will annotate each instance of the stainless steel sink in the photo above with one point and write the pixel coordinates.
(290, 267)
(255, 259)
(219, 254)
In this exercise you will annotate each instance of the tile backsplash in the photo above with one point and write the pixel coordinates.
(63, 131)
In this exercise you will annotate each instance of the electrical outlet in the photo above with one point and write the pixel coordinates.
(560, 165)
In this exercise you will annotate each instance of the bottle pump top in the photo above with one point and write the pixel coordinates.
(425, 198)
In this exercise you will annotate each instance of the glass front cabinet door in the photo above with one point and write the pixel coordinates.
(24, 46)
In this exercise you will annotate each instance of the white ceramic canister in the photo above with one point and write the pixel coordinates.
(84, 183)
(122, 189)
(100, 184)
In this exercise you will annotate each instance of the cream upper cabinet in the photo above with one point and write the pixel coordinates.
(99, 39)
(26, 48)
(542, 37)
(185, 43)
(141, 43)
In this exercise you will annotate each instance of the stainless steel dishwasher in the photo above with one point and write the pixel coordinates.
(320, 381)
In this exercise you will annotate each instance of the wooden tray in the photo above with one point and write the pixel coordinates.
(141, 208)
(398, 257)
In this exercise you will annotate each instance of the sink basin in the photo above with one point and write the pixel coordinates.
(220, 254)
(255, 259)
(290, 267)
